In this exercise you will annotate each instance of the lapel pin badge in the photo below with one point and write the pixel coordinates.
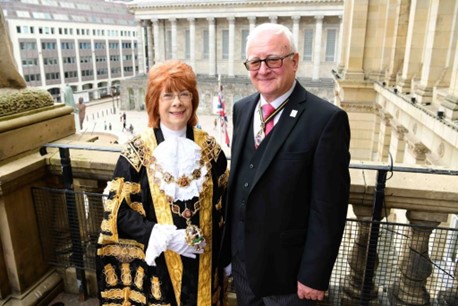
(293, 113)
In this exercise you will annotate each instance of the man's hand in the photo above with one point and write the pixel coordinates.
(304, 292)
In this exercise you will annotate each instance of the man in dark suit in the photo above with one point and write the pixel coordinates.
(289, 184)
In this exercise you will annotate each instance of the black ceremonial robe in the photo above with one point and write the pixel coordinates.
(134, 205)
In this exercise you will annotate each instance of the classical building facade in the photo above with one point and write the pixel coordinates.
(398, 80)
(211, 37)
(87, 44)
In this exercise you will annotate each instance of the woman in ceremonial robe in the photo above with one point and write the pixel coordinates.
(160, 235)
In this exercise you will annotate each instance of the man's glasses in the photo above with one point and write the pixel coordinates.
(271, 62)
(184, 96)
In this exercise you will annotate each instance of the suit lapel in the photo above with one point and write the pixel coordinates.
(290, 116)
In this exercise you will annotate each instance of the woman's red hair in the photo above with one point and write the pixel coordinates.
(170, 76)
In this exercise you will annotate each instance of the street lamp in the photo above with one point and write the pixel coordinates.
(113, 92)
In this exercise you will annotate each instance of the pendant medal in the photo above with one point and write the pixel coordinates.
(193, 233)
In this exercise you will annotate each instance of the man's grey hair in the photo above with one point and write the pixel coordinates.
(276, 29)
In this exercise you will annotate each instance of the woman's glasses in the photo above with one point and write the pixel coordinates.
(183, 96)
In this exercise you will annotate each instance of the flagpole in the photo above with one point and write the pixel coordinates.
(220, 122)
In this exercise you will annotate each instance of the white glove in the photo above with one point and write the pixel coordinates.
(158, 240)
(228, 270)
(179, 245)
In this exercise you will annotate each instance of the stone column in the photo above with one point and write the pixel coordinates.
(353, 282)
(273, 19)
(379, 27)
(450, 103)
(296, 19)
(345, 36)
(415, 263)
(356, 41)
(252, 21)
(439, 34)
(384, 137)
(211, 46)
(376, 132)
(417, 153)
(231, 21)
(157, 50)
(149, 44)
(414, 44)
(317, 48)
(173, 23)
(398, 144)
(397, 41)
(141, 48)
(192, 42)
(340, 41)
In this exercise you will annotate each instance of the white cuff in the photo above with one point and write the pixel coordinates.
(228, 270)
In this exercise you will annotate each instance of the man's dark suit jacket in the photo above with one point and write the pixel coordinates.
(297, 204)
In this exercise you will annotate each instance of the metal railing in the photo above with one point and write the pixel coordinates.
(69, 224)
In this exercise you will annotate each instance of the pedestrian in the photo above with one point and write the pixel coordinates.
(109, 126)
(81, 111)
(289, 180)
(161, 233)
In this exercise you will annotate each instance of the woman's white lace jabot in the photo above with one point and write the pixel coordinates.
(177, 160)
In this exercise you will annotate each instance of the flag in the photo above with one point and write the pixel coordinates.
(222, 115)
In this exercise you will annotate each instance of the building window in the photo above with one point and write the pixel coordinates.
(243, 44)
(52, 76)
(28, 46)
(99, 45)
(29, 62)
(225, 44)
(187, 53)
(205, 45)
(68, 60)
(308, 45)
(86, 59)
(87, 72)
(102, 71)
(49, 61)
(48, 45)
(32, 77)
(70, 74)
(100, 59)
(331, 45)
(23, 14)
(67, 45)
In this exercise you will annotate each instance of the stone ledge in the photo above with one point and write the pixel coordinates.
(30, 131)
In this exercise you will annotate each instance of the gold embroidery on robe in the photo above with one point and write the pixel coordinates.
(110, 275)
(126, 277)
(156, 288)
(139, 278)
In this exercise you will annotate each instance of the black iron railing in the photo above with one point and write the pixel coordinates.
(69, 223)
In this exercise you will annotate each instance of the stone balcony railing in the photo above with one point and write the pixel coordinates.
(424, 200)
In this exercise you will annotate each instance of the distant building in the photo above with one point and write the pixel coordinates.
(90, 45)
(210, 35)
